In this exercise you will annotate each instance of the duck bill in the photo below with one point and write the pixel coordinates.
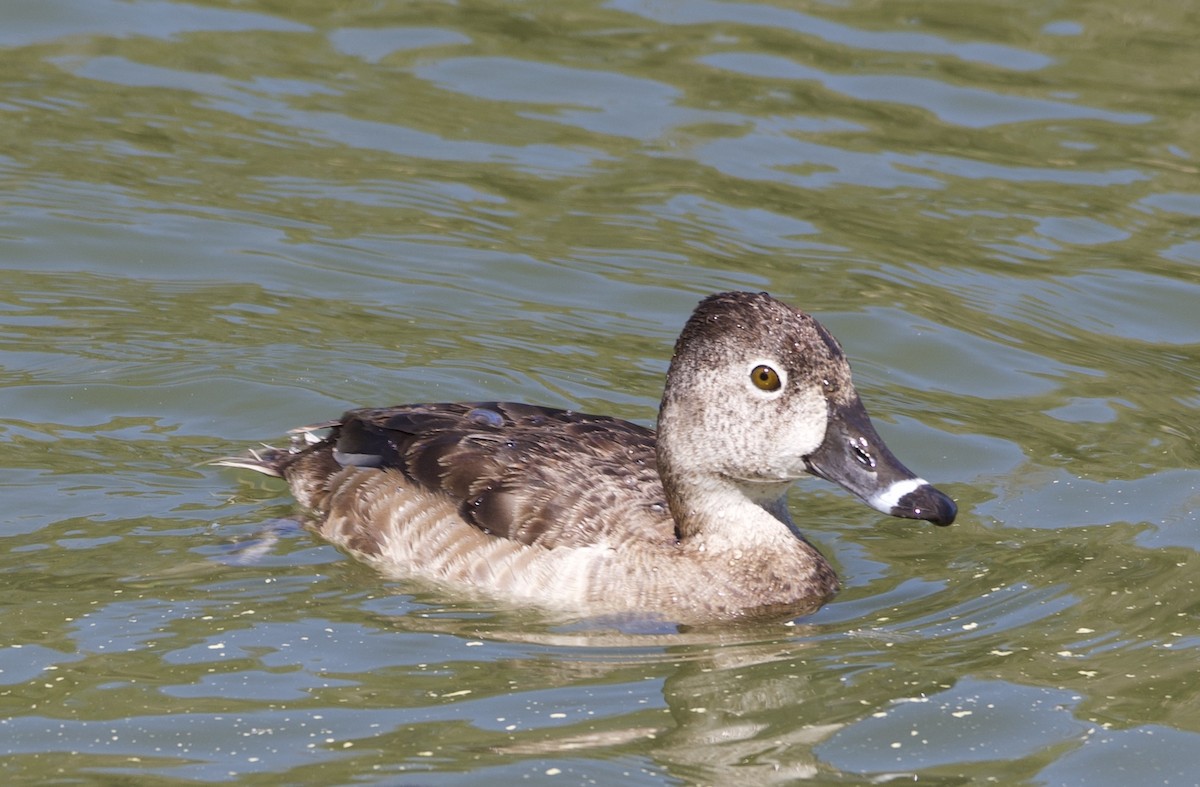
(854, 457)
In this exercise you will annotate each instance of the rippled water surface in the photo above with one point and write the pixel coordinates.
(221, 220)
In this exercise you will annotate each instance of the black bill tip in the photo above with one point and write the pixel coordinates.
(926, 502)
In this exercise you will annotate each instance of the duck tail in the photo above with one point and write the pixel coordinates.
(273, 461)
(266, 460)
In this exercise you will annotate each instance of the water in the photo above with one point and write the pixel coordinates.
(224, 220)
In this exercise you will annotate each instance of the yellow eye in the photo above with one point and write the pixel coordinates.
(765, 378)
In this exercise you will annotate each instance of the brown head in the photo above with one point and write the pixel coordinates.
(759, 394)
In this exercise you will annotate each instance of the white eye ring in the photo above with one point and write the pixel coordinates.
(767, 378)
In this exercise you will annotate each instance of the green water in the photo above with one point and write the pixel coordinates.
(222, 220)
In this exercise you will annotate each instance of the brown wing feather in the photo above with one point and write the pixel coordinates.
(532, 474)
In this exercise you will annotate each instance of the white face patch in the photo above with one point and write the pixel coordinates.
(887, 499)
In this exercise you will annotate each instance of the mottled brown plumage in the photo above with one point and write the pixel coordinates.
(595, 514)
(503, 464)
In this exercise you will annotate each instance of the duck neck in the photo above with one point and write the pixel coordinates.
(717, 514)
(748, 550)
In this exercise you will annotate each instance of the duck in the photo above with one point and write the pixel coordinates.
(593, 515)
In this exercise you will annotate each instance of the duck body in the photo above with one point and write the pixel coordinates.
(597, 515)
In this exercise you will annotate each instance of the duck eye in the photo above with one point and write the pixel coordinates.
(765, 378)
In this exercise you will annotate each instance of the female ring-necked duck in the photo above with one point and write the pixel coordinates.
(597, 515)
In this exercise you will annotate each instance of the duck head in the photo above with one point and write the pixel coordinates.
(759, 394)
